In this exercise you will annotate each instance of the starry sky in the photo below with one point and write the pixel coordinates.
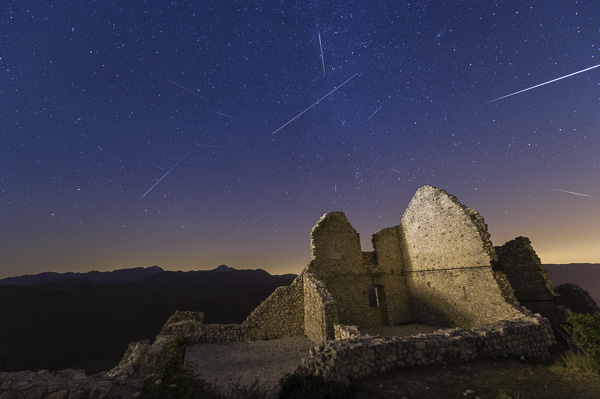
(194, 134)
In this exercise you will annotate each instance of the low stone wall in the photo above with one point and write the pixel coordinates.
(320, 313)
(359, 357)
(280, 315)
(194, 332)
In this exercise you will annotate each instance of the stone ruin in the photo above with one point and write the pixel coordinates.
(437, 267)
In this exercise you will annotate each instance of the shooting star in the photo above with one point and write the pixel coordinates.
(318, 101)
(169, 171)
(322, 59)
(569, 192)
(222, 114)
(210, 145)
(394, 170)
(373, 114)
(335, 188)
(189, 91)
(543, 84)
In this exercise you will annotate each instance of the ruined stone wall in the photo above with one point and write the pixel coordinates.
(320, 311)
(447, 257)
(280, 315)
(359, 357)
(529, 279)
(197, 333)
(338, 262)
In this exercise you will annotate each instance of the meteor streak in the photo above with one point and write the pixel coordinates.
(189, 91)
(318, 101)
(322, 59)
(374, 113)
(169, 171)
(210, 145)
(569, 192)
(220, 113)
(542, 84)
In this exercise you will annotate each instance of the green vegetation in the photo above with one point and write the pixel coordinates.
(176, 380)
(583, 333)
(296, 386)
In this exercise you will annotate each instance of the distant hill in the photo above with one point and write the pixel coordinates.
(88, 322)
(586, 275)
(114, 277)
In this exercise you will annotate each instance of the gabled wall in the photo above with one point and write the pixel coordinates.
(447, 257)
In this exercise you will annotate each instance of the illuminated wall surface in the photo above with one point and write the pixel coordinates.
(188, 136)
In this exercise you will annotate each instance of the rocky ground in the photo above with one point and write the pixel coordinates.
(63, 384)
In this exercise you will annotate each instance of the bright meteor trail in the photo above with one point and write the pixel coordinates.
(189, 91)
(542, 84)
(318, 101)
(373, 114)
(169, 171)
(322, 59)
(569, 192)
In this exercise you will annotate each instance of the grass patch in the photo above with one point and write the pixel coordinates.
(579, 363)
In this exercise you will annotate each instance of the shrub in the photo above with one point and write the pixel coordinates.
(584, 331)
(297, 386)
(175, 379)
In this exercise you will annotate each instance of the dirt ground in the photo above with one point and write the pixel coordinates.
(245, 362)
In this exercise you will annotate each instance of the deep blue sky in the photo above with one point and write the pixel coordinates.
(101, 99)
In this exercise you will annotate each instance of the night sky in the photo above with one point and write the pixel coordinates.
(136, 133)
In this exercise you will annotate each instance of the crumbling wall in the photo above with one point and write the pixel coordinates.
(529, 279)
(577, 299)
(280, 315)
(359, 357)
(338, 262)
(447, 256)
(320, 311)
